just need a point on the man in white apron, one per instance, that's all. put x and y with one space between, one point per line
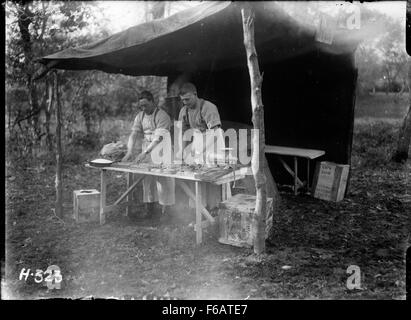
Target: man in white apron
203 115
148 127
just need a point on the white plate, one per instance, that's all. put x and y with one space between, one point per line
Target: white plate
101 162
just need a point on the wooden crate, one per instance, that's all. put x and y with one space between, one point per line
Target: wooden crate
236 218
86 205
330 181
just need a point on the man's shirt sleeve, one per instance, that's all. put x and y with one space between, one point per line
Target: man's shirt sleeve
163 124
211 115
163 120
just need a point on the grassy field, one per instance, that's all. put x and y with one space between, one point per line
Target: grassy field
313 243
381 107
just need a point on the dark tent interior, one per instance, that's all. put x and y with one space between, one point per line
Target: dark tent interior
308 86
308 103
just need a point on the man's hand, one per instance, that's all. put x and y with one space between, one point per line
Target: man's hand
188 152
141 157
126 158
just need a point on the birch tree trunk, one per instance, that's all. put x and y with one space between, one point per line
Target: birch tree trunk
48 115
59 198
258 155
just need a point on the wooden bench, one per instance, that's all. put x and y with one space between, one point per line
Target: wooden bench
308 154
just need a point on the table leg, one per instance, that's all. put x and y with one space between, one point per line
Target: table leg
198 213
130 195
191 194
295 177
308 176
75 207
291 172
228 192
103 197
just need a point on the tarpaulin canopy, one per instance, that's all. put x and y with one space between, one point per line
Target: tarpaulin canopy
308 88
206 36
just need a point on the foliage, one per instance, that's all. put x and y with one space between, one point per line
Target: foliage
86 140
36 29
110 136
73 156
381 58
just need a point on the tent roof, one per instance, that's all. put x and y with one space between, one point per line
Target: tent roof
208 36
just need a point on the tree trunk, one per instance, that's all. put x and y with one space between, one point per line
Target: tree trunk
48 116
388 88
24 21
258 162
404 137
59 198
35 110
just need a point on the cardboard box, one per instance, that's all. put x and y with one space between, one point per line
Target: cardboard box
86 205
330 181
236 218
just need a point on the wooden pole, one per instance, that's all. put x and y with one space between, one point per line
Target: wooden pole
199 230
48 115
258 155
59 197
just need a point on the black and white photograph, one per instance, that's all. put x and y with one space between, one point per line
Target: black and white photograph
207 151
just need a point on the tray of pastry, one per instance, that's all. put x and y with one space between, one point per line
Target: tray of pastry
133 165
211 174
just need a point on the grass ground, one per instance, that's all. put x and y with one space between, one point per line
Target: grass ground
381 106
313 242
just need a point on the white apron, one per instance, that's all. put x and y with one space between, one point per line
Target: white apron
211 194
161 189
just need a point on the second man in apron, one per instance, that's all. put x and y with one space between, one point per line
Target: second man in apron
202 115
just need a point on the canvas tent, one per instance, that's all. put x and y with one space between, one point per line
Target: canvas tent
308 86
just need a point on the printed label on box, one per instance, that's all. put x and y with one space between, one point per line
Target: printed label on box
331 182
